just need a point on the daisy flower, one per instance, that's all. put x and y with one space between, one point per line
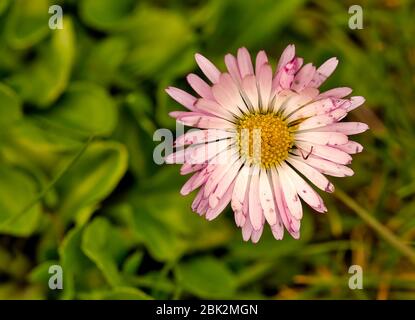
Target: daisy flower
272 131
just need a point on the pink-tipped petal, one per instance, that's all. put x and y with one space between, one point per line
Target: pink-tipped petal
233 69
356 102
304 190
336 93
266 198
290 194
260 60
287 55
351 147
255 210
182 97
303 77
312 174
244 62
323 72
208 68
264 79
200 86
348 128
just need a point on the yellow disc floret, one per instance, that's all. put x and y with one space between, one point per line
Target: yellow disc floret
264 138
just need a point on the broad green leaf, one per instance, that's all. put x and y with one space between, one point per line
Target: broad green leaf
78 271
10 106
206 277
103 61
42 82
107 14
27 23
33 144
103 244
40 274
161 49
85 107
91 179
17 189
159 239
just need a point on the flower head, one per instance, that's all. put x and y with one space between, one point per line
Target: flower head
262 134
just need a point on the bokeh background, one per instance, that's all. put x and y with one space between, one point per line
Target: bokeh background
79 188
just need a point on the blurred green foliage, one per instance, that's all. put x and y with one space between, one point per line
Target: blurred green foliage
78 187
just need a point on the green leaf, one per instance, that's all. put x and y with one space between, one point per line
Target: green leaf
103 244
103 61
27 23
16 190
160 240
206 277
85 107
10 106
107 14
91 179
40 274
132 263
43 81
119 293
161 49
75 264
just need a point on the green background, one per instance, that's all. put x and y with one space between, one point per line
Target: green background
79 188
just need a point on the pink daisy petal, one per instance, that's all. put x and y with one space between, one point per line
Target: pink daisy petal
336 93
303 77
233 69
266 198
213 108
287 55
190 168
224 183
247 230
325 152
290 194
255 211
264 78
182 97
241 186
322 138
244 62
326 166
212 213
304 190
312 174
205 122
323 72
250 89
322 120
348 128
260 60
208 68
355 102
202 136
200 86
296 101
351 147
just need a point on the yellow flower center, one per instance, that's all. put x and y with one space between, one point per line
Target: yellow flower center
264 139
